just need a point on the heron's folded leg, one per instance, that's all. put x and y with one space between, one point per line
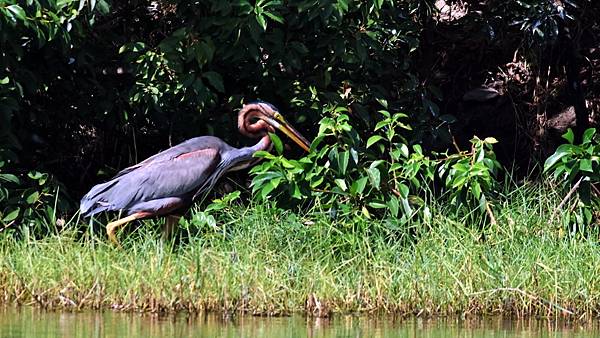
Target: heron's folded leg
170 224
112 226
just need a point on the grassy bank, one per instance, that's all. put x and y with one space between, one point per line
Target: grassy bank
262 260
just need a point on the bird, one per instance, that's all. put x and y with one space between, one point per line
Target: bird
172 179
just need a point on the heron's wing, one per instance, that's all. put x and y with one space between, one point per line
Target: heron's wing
186 147
175 177
160 178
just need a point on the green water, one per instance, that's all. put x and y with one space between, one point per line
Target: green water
34 323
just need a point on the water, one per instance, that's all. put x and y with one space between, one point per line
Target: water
34 323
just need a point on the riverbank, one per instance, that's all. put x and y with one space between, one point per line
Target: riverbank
265 261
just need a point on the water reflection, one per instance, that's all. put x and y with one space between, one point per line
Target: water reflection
35 323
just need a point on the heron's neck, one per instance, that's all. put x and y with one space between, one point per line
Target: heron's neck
248 159
264 144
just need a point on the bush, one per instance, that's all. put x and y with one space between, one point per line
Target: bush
576 167
384 177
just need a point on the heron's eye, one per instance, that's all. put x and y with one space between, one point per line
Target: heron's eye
278 117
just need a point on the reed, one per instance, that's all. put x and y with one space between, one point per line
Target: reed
262 260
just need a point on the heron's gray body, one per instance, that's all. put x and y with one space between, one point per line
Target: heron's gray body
170 179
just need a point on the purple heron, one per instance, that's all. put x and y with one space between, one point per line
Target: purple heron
172 179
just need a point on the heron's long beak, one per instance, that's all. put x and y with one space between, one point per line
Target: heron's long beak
291 132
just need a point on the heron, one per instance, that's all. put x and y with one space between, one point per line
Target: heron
172 179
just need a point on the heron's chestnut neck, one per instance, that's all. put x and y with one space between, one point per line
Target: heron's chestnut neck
250 124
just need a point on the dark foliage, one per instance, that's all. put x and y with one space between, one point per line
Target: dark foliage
89 87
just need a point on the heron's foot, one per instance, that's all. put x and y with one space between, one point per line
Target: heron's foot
112 227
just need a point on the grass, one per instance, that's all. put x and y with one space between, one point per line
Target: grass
266 261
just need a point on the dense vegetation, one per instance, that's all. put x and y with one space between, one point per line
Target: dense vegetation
411 104
87 88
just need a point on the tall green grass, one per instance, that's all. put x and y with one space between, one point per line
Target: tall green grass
262 260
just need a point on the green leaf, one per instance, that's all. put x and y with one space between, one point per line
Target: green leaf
588 216
287 163
394 167
317 182
587 135
354 155
32 198
365 212
569 136
376 163
261 178
375 177
269 187
103 7
215 80
358 186
382 124
274 17
11 215
4 81
403 190
394 206
404 150
9 178
132 47
342 5
558 171
476 189
261 21
211 221
341 183
373 139
377 205
343 159
277 143
42 180
459 182
35 175
382 102
315 143
482 203
586 165
17 11
385 113
296 192
560 152
480 155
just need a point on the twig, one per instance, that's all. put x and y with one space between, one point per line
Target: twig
564 200
524 293
596 190
490 213
7 226
455 144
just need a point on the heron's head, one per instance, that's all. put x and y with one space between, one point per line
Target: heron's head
258 118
